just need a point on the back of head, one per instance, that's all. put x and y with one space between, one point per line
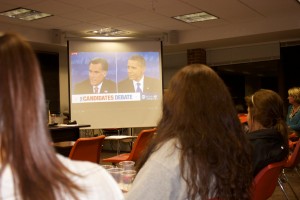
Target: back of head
22 99
266 107
295 93
197 99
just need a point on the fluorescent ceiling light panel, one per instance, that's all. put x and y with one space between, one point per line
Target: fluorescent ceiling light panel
195 17
107 31
107 38
25 14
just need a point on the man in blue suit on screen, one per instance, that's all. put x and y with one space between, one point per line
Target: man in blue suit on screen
97 83
136 81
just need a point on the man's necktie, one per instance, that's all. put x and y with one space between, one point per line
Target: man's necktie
138 88
96 90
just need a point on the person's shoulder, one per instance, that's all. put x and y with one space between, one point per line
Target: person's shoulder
168 149
84 82
125 86
108 86
80 167
109 82
82 87
152 84
151 81
90 175
125 81
264 134
150 78
168 155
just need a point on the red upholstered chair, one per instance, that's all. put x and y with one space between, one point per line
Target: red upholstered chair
243 117
292 163
266 180
87 149
139 145
293 138
294 158
293 135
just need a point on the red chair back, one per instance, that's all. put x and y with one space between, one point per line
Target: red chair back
87 149
144 137
294 158
243 117
265 181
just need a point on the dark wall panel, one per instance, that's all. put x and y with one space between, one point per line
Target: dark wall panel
49 63
290 58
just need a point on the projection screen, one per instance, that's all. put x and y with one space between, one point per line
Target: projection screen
119 101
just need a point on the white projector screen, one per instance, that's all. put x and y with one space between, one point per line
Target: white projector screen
117 105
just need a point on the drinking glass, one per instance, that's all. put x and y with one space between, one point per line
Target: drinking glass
107 166
127 177
127 165
116 174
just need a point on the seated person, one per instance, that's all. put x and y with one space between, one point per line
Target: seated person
200 150
293 115
268 131
30 168
97 82
136 80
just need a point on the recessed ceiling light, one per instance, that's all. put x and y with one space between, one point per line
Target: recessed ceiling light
107 31
196 17
25 14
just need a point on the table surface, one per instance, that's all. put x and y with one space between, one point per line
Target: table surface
119 137
66 126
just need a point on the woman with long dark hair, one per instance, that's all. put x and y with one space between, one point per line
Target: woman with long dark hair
200 150
29 167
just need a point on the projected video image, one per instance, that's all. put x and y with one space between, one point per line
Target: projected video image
118 76
115 83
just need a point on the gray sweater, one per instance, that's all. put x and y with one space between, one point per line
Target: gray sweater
159 178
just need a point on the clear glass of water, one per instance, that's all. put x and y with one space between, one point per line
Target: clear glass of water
127 177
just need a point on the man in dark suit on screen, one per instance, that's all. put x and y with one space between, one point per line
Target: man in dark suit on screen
136 81
97 83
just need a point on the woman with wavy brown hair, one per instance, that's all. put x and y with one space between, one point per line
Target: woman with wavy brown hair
29 167
200 150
